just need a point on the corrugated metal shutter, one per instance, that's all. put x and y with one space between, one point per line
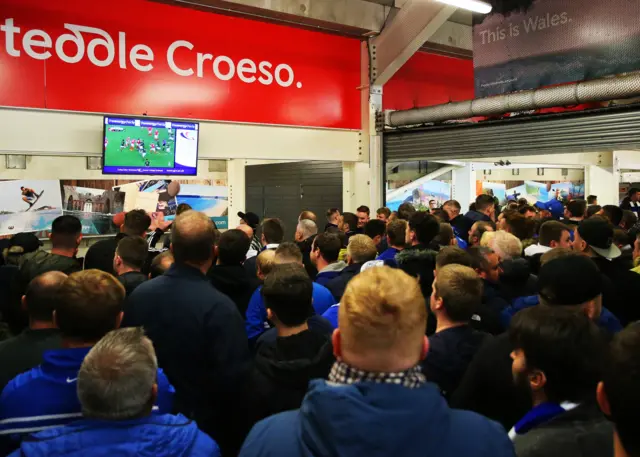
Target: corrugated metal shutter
592 131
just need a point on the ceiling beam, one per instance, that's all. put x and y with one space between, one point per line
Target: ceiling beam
412 26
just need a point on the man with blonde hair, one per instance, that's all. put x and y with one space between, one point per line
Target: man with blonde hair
506 245
376 400
360 250
117 387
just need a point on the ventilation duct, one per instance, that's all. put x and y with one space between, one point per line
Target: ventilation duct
598 90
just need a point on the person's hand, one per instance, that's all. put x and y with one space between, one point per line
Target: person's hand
160 222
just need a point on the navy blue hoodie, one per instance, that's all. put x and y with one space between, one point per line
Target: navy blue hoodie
376 420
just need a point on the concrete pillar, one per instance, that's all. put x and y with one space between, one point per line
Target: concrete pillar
356 186
463 186
236 184
603 180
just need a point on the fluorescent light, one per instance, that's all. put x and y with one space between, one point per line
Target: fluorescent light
476 6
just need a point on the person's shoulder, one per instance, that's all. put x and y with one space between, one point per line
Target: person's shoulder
22 384
274 436
321 290
487 438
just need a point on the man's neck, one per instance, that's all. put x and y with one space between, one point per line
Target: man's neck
618 450
578 219
398 248
204 268
444 323
40 325
321 264
538 398
283 332
64 252
123 270
71 343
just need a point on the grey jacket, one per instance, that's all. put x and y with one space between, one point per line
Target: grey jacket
581 432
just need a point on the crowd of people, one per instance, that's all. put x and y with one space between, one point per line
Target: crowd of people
503 331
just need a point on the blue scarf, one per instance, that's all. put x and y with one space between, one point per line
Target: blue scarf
539 415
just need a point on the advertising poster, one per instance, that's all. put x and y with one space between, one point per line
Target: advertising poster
28 205
495 189
211 200
554 42
431 194
535 191
94 207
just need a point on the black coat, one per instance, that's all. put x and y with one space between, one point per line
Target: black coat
419 261
100 255
132 280
283 369
235 282
580 432
338 285
201 345
487 386
305 248
621 289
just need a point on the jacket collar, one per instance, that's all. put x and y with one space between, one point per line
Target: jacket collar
336 266
184 271
536 249
539 415
63 363
341 373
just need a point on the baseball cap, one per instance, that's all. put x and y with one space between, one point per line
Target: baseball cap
29 242
598 234
251 219
555 207
569 280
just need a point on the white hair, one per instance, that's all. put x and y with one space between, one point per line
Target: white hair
117 376
506 245
307 228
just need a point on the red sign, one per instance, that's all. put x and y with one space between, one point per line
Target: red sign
136 57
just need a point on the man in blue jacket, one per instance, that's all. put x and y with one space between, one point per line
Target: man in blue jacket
256 319
89 305
325 251
117 386
197 333
376 401
397 239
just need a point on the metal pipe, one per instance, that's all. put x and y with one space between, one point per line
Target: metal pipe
598 90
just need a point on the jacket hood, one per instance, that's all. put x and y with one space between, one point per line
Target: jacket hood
515 271
418 254
293 360
337 266
367 419
477 216
158 436
40 262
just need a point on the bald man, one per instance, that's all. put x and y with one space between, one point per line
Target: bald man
197 332
24 352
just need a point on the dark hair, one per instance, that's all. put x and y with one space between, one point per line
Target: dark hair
484 201
136 222
629 219
405 211
445 234
375 227
65 231
193 238
551 231
577 208
331 212
288 292
565 345
158 264
386 211
290 252
621 237
522 227
88 305
133 251
329 245
526 209
363 209
633 191
182 207
351 219
440 214
591 199
621 379
593 210
397 232
273 230
233 247
425 226
42 293
453 203
479 257
461 291
482 227
613 213
450 255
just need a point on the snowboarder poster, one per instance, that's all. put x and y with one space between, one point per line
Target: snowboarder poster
29 205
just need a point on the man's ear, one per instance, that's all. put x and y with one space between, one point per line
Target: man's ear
603 400
171 248
269 314
23 303
119 319
438 303
79 239
553 244
337 344
537 380
425 348
216 251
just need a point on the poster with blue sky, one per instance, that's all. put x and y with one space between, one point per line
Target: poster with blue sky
420 195
29 205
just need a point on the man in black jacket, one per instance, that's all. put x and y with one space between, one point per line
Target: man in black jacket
361 249
100 255
306 232
228 275
197 332
131 255
284 367
272 236
558 359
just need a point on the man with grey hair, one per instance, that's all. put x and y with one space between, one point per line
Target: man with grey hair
117 388
197 332
306 232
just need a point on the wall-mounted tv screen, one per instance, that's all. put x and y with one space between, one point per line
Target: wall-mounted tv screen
144 146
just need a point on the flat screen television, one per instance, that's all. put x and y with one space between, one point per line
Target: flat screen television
145 146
